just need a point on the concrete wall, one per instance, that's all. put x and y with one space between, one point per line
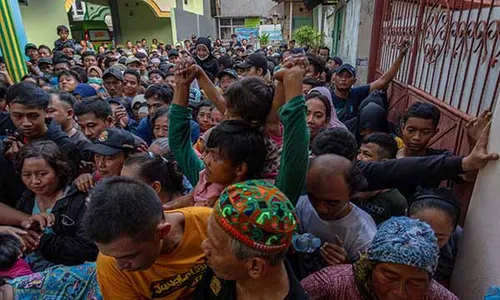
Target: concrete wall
40 19
187 23
193 6
143 23
364 39
243 8
478 265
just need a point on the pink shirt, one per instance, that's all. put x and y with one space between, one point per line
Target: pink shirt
206 193
337 282
20 268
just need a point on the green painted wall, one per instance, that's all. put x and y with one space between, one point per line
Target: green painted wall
139 21
40 19
193 6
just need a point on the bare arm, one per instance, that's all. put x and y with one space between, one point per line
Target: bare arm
386 78
212 93
11 216
273 118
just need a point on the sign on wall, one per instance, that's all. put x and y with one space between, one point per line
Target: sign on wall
274 31
251 34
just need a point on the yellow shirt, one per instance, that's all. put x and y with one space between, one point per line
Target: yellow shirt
173 275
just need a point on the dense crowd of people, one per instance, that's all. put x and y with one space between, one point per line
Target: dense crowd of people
210 171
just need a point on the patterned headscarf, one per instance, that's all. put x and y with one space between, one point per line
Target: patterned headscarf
405 241
399 240
257 214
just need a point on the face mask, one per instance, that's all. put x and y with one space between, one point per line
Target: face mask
202 58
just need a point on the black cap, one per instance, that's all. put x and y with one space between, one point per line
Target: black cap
173 52
347 67
45 60
229 72
112 141
254 60
113 72
30 46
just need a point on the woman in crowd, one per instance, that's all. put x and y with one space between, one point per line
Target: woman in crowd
398 265
203 114
159 123
320 111
46 174
441 211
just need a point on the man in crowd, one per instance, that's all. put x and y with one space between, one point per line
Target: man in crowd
113 82
144 251
254 65
248 237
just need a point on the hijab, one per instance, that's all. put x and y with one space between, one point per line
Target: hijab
334 120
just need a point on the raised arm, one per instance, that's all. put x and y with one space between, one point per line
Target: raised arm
273 118
386 78
179 135
212 93
294 157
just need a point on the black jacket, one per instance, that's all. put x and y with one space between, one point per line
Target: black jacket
406 174
67 146
210 64
67 245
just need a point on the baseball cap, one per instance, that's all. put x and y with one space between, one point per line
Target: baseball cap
132 59
254 60
112 141
347 67
173 52
138 99
45 60
30 46
113 72
229 72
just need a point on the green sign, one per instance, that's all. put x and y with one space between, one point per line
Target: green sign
252 22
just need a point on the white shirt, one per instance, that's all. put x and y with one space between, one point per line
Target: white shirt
356 230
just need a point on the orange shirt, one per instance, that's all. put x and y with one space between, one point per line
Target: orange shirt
173 275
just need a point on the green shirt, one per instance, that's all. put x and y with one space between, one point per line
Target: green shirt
294 156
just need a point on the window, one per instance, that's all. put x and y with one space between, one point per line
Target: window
185 2
228 26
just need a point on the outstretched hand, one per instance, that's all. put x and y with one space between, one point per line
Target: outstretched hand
476 126
186 71
404 46
479 156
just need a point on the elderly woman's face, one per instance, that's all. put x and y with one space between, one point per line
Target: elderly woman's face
392 281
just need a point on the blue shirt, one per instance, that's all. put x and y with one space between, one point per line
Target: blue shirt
348 108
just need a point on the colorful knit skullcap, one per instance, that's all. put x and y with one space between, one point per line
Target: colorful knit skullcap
257 214
405 241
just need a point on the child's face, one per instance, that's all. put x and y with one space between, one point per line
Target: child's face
218 169
63 34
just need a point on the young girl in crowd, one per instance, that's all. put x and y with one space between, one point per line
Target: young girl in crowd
235 150
441 211
46 174
158 172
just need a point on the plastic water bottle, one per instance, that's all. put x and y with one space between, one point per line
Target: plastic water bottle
306 243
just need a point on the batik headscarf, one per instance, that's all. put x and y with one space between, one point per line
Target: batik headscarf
334 120
399 240
257 214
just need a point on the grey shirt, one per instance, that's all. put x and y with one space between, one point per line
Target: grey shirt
356 230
